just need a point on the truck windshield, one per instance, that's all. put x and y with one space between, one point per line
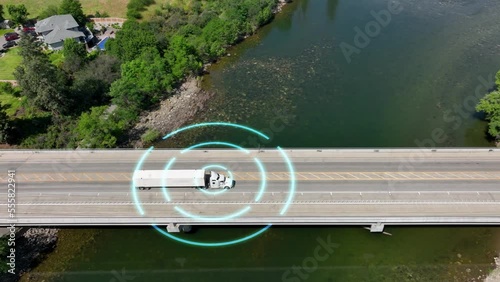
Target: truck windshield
218 176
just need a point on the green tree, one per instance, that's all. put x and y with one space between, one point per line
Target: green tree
74 48
1 13
18 13
75 55
5 126
490 105
91 84
41 82
98 129
74 8
59 135
50 11
497 79
216 35
182 57
143 81
130 41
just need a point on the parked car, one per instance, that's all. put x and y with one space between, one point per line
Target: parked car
3 51
9 44
28 29
11 36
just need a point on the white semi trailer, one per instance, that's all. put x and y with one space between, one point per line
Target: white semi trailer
193 178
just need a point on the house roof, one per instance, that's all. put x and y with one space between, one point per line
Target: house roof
58 35
61 21
58 27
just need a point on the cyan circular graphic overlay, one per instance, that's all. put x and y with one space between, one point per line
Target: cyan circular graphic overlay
237 214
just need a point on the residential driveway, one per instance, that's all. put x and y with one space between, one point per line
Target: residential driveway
3 41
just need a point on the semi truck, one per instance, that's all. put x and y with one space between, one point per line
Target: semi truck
193 178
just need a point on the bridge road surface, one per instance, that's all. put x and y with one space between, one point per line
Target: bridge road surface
332 186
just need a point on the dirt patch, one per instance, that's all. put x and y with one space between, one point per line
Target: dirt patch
188 102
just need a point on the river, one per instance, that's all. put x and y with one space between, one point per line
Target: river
292 80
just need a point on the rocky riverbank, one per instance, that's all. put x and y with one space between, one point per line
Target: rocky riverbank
281 4
188 101
494 276
32 245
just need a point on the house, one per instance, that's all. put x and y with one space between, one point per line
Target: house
56 29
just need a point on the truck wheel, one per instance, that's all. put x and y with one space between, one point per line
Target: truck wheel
227 187
140 188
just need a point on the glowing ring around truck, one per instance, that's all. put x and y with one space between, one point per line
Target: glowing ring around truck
257 198
187 214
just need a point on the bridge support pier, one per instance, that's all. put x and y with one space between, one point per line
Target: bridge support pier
377 227
173 228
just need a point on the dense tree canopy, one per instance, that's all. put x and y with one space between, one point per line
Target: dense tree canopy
74 8
98 129
143 81
5 126
490 104
91 84
42 83
18 13
75 55
182 57
139 67
1 13
130 41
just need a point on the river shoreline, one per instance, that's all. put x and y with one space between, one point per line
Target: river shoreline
187 103
31 247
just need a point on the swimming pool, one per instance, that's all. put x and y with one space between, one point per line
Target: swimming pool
101 45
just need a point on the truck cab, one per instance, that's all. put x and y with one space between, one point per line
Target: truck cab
217 181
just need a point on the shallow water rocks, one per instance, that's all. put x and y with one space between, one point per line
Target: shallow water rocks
31 247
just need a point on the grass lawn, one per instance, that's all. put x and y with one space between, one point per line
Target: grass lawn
8 63
115 8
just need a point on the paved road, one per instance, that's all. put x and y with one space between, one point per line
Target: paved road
333 186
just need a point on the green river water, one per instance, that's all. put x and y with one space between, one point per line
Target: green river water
292 81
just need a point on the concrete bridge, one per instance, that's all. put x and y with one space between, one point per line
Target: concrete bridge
373 187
